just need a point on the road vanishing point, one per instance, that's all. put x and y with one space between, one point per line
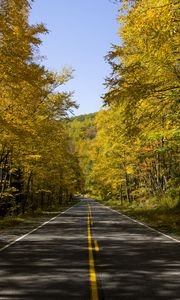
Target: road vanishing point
91 252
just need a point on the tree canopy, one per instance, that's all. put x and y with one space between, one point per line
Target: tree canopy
136 150
37 163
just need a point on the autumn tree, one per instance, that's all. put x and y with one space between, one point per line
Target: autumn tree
35 157
144 87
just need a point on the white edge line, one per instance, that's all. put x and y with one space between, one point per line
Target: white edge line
142 224
35 229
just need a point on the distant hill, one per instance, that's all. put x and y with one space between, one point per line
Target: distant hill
82 128
82 131
82 118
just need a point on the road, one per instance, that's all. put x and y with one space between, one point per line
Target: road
91 252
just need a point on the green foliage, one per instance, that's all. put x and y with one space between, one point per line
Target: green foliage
82 131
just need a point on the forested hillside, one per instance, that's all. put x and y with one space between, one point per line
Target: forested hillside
82 131
37 166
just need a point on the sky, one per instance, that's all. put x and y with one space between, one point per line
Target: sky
81 32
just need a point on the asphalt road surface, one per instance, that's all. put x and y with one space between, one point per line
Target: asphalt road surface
91 253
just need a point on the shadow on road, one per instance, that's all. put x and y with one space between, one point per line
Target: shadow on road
134 262
51 263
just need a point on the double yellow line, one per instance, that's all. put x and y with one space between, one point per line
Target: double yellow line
92 271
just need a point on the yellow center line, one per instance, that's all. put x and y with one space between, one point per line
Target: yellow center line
92 271
96 246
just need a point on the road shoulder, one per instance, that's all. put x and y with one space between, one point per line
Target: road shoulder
10 234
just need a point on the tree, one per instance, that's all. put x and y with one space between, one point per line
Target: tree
143 90
34 147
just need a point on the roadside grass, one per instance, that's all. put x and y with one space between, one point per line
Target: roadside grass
13 220
163 218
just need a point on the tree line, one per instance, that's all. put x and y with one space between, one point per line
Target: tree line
136 149
38 167
133 154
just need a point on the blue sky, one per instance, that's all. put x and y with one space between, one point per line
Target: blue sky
81 34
